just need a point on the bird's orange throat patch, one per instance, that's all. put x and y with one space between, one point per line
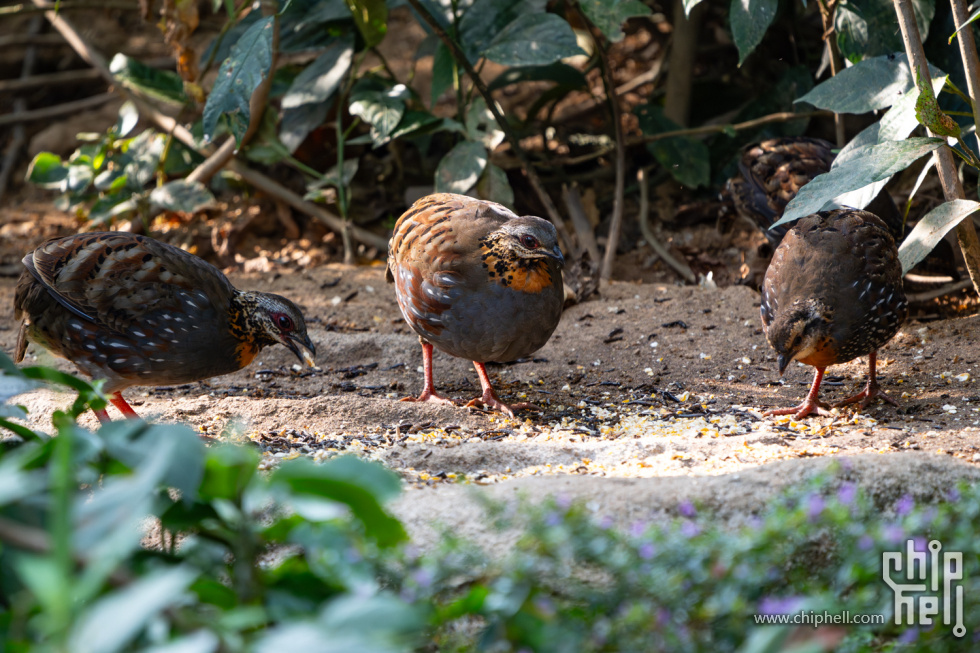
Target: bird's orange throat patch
525 275
823 355
245 353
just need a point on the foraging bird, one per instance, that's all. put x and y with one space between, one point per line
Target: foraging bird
833 292
476 281
134 311
772 172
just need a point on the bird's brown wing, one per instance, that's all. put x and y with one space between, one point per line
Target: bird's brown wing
116 278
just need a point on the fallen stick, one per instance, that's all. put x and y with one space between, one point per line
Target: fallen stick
56 110
681 267
929 295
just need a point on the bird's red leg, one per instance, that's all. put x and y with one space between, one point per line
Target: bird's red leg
490 398
117 400
103 416
809 405
428 389
872 389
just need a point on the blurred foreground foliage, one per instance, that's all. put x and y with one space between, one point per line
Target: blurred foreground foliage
137 537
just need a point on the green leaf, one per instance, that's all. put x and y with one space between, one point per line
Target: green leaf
486 19
874 164
495 187
182 196
115 620
931 229
866 28
201 641
129 116
749 21
873 84
360 485
371 18
333 179
460 169
689 6
227 472
47 171
318 81
383 110
442 73
609 15
558 72
151 82
688 160
533 40
239 76
899 121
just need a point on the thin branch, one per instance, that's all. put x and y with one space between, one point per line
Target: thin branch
509 134
827 8
57 110
78 5
18 136
616 223
48 79
968 52
929 295
681 267
966 233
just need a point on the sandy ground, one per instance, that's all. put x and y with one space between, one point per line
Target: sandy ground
641 386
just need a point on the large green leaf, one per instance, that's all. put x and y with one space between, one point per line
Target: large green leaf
47 171
239 76
494 186
182 196
320 79
873 164
485 19
201 641
685 158
749 20
115 620
443 75
383 110
533 40
558 72
875 83
931 229
371 18
866 28
460 169
609 15
899 121
152 82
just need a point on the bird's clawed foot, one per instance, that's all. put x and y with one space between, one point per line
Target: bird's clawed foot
808 407
430 397
866 396
492 401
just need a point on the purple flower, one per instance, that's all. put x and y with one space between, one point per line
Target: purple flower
909 636
814 508
563 501
686 508
545 606
780 604
637 528
646 550
953 495
689 529
606 522
904 505
846 492
865 542
422 577
552 519
894 533
919 543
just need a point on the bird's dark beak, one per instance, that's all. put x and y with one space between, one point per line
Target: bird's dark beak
303 348
783 363
557 255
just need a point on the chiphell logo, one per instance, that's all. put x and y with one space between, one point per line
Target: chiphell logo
915 578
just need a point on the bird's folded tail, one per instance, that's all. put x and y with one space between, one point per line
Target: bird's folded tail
21 346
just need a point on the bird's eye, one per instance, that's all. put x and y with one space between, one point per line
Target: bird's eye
284 323
529 241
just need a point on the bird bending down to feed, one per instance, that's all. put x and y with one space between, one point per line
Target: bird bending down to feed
832 293
134 311
476 281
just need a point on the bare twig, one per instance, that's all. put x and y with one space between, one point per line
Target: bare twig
580 221
968 52
836 63
681 267
48 79
57 110
14 10
966 233
18 134
30 39
509 134
929 295
616 222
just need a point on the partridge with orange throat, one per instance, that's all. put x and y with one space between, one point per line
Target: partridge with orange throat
476 281
832 293
134 311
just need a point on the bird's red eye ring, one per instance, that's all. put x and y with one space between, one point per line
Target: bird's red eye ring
284 322
529 241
